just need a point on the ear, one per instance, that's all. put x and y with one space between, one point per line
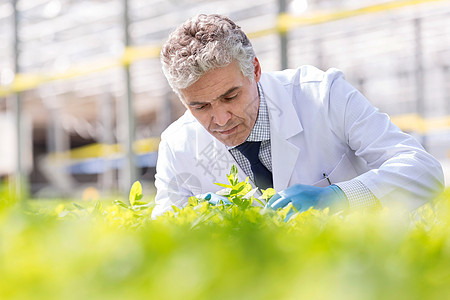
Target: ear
257 69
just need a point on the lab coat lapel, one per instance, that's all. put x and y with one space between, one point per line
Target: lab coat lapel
214 159
284 126
227 160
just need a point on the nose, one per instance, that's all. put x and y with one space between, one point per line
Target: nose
221 115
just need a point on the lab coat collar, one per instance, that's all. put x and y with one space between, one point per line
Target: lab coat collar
282 114
284 125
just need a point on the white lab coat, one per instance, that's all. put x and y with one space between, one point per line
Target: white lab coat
319 124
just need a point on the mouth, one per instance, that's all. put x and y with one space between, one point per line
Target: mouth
227 132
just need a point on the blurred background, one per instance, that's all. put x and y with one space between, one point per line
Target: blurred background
83 100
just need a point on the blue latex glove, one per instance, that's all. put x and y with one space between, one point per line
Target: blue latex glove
303 197
214 199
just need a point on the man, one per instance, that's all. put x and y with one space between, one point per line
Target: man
308 134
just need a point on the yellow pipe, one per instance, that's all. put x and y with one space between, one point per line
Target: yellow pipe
415 123
286 22
95 150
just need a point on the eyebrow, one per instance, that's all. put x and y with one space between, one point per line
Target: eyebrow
229 91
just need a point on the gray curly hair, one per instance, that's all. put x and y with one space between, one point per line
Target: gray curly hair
202 43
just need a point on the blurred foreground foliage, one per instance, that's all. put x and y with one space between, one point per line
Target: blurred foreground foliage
106 250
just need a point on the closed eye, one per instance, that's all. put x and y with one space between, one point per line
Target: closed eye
200 107
229 98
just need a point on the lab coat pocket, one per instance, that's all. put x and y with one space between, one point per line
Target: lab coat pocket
343 171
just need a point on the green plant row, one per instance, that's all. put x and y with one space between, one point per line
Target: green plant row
115 250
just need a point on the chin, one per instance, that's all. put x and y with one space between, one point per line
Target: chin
227 142
234 142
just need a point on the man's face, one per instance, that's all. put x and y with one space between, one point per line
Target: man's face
225 102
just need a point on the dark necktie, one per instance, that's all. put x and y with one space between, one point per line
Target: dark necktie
263 177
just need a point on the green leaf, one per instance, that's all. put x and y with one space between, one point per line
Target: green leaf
267 194
78 206
64 213
120 203
247 188
237 188
135 192
234 170
246 203
257 200
193 201
224 185
176 209
250 192
236 200
224 192
98 206
233 178
230 178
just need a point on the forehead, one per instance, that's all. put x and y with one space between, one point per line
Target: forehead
214 83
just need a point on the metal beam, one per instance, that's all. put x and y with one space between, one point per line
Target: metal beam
283 38
129 173
19 176
419 75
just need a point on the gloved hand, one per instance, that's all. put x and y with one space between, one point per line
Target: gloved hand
303 197
213 199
